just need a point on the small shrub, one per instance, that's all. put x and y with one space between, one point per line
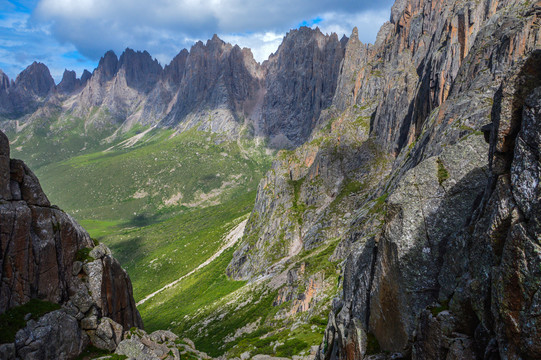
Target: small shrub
444 305
443 174
83 255
291 347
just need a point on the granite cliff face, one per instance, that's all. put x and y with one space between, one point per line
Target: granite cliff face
439 254
46 255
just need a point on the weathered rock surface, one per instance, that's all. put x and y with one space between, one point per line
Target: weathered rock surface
47 255
161 344
432 252
452 229
55 335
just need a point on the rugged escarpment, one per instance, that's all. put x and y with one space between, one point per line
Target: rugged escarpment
439 254
46 255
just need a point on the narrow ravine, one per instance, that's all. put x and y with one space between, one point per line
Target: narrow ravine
230 240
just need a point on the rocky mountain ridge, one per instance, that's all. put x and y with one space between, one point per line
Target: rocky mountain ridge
214 86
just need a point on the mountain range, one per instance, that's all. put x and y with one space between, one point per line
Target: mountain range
215 86
338 201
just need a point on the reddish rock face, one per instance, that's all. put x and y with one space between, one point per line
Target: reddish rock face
39 244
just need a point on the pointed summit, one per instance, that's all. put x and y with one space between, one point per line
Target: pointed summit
69 82
85 77
107 66
174 72
35 79
140 69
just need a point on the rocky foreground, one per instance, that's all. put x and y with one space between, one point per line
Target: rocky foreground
46 255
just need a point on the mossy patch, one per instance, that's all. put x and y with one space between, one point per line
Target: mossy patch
83 255
372 344
92 352
443 306
298 207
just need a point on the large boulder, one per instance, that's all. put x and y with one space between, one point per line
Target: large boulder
56 335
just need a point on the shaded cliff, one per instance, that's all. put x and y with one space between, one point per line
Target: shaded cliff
300 83
29 91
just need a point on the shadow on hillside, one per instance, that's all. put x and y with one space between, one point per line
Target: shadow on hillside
142 220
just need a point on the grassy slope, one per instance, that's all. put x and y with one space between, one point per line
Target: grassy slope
129 198
53 136
158 175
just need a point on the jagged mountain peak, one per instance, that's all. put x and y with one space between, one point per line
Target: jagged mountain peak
69 82
36 79
174 71
291 108
215 39
107 66
141 71
85 76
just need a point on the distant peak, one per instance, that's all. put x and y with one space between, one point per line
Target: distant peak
215 40
108 64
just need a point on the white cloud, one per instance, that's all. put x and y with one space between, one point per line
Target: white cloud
367 22
164 26
58 31
261 44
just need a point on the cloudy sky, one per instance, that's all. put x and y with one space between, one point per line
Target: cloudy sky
74 34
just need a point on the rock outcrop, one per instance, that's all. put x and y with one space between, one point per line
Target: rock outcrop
161 344
45 254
